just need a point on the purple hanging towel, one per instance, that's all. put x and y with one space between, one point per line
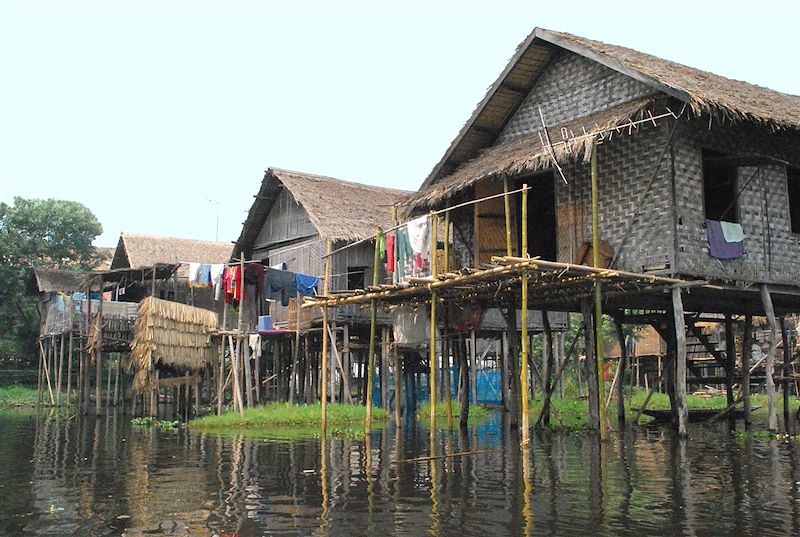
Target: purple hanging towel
717 245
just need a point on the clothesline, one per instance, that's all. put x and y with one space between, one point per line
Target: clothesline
432 213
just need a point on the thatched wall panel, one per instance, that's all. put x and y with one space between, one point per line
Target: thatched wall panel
572 87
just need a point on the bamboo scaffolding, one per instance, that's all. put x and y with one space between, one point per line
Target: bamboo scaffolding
373 323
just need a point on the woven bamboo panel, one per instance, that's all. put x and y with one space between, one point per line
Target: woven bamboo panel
308 316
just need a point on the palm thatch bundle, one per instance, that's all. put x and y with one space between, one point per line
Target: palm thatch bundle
171 334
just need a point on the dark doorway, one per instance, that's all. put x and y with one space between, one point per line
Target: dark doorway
542 240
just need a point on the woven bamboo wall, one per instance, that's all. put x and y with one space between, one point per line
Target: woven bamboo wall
772 252
572 87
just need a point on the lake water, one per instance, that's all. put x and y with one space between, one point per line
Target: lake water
89 476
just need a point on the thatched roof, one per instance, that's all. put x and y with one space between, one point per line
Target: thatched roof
338 210
703 92
45 280
171 334
136 250
526 154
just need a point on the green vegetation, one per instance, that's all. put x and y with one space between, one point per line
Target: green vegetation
477 413
765 436
18 396
343 420
151 421
570 413
37 233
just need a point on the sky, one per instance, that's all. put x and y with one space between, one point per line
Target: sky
161 117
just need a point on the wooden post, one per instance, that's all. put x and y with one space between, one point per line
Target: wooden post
623 364
384 369
448 389
432 348
236 391
40 372
60 369
730 358
69 364
524 322
598 303
239 337
591 366
787 363
324 359
398 387
548 364
463 374
295 352
747 351
373 327
248 371
507 210
504 389
99 354
766 299
680 362
473 366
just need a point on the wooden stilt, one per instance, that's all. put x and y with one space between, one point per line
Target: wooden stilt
324 358
747 350
373 327
623 364
385 368
60 369
559 373
247 367
512 341
787 363
548 364
463 374
236 390
69 366
257 373
98 401
295 352
766 299
730 359
473 366
108 383
398 387
39 373
432 359
680 363
448 388
598 304
591 368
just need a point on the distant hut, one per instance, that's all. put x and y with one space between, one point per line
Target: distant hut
137 250
293 218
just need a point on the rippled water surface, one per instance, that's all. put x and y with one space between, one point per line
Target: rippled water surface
88 476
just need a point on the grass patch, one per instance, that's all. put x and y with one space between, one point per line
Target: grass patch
18 396
151 421
477 413
341 417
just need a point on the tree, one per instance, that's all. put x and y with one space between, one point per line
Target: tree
37 233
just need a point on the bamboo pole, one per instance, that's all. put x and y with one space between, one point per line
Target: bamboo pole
766 299
525 423
238 404
549 363
373 327
730 358
295 352
39 373
432 349
598 301
507 210
324 359
46 373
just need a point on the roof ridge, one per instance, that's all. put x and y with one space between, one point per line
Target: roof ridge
335 179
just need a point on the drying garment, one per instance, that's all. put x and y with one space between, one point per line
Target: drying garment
194 273
389 252
216 279
732 231
227 285
254 275
279 266
306 285
382 246
411 328
204 275
237 284
254 342
404 262
418 235
279 285
717 245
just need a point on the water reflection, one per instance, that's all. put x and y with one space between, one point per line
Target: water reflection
76 476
